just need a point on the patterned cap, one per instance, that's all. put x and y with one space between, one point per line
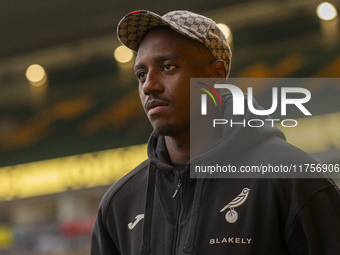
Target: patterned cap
132 28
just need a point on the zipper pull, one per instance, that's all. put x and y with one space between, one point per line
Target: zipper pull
178 187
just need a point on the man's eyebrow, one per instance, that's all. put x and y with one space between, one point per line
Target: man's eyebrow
139 66
158 59
167 57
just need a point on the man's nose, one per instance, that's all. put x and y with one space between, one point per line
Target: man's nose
152 84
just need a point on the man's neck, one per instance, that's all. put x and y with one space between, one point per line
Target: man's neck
179 147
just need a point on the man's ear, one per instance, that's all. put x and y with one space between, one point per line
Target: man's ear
218 69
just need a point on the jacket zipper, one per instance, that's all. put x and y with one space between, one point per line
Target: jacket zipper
178 187
179 214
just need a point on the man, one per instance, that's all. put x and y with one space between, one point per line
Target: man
158 209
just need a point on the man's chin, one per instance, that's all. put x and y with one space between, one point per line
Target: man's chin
166 130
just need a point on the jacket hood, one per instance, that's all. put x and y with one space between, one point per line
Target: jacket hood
243 134
234 138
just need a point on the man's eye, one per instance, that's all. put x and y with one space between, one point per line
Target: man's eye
168 67
141 75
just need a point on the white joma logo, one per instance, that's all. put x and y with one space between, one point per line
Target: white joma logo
138 218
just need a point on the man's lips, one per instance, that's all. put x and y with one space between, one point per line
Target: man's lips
155 106
156 109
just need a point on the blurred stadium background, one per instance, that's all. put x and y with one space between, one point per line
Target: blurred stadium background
70 119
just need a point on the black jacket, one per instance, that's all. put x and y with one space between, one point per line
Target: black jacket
155 209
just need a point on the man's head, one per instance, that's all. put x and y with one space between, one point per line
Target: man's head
166 60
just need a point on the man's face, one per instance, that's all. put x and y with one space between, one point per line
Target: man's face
164 64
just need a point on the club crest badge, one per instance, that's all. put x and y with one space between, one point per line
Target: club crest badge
231 216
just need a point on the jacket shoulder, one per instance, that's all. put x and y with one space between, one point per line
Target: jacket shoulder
128 182
280 151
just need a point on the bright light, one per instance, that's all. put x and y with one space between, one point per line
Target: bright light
326 11
226 31
36 75
123 54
